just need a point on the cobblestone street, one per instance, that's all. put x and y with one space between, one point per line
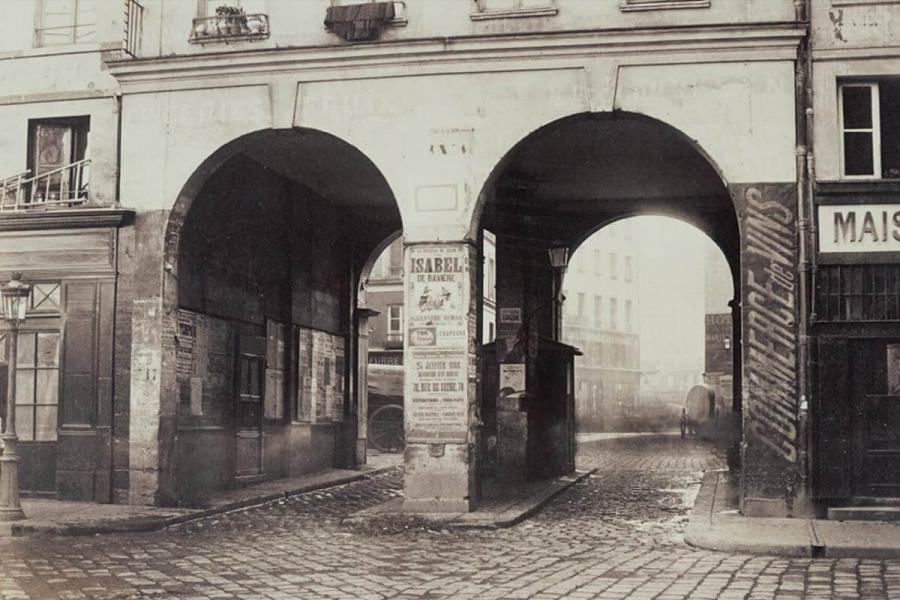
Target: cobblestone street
616 535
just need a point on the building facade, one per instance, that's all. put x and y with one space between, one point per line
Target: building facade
602 318
854 120
247 168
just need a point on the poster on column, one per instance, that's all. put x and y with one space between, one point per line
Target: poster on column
437 326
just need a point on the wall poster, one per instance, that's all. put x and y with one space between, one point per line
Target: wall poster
437 325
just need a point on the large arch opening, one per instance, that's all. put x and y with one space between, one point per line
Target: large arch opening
556 188
264 252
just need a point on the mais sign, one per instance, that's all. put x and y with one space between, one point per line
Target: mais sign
861 228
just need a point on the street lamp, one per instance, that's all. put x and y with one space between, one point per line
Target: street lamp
15 302
559 260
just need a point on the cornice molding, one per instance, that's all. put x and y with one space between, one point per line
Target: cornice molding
80 218
432 55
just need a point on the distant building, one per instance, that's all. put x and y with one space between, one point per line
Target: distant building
601 318
672 288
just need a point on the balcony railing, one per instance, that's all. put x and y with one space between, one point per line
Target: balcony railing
229 28
64 187
134 17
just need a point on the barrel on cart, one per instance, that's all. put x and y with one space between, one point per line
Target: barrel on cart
386 431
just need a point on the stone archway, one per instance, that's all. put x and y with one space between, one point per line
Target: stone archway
259 267
566 179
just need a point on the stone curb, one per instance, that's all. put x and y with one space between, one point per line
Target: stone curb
711 528
509 517
147 524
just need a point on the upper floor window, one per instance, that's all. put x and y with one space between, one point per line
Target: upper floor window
631 5
395 319
66 22
613 266
628 268
870 129
512 8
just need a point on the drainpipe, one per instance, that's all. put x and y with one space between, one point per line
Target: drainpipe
805 188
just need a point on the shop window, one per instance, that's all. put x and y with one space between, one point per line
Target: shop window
37 386
858 292
870 129
57 149
66 22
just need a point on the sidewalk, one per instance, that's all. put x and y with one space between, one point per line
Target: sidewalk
503 504
716 525
87 518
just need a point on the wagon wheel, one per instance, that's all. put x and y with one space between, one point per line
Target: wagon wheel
386 428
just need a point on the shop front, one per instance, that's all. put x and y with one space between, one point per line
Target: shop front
857 322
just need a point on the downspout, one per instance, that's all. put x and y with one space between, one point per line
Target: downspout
805 185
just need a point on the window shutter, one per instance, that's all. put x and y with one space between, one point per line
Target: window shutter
832 460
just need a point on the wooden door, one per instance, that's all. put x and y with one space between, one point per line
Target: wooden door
875 384
249 402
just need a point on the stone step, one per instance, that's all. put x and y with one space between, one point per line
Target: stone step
864 513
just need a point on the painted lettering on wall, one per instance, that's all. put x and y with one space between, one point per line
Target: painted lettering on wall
770 311
862 228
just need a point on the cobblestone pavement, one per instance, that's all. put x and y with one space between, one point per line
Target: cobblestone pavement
615 535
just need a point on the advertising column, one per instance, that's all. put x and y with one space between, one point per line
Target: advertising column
439 388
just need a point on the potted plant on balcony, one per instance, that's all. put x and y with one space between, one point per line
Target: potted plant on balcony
230 20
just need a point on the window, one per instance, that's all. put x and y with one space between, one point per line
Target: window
613 264
395 259
613 314
490 283
598 311
627 268
597 259
395 322
37 386
870 129
208 7
633 5
506 6
579 262
628 315
66 22
53 145
579 310
250 392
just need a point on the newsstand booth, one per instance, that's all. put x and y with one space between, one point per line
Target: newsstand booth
856 312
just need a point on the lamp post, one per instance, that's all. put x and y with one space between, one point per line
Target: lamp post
15 303
559 260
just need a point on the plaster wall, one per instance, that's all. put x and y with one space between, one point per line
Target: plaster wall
167 24
448 131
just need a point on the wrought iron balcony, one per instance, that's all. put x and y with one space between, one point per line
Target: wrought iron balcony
229 28
64 187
